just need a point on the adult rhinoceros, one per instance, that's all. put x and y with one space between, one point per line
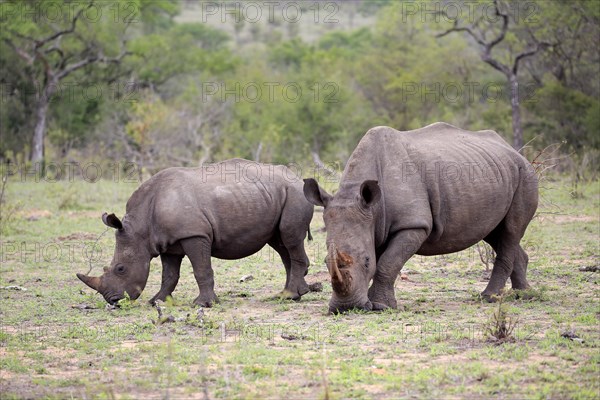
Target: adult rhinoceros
430 191
228 210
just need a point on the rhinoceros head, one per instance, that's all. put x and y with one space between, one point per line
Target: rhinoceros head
129 268
349 222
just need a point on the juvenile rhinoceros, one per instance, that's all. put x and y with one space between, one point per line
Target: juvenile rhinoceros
434 190
228 210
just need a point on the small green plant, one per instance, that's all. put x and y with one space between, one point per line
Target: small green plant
500 327
487 255
324 378
126 303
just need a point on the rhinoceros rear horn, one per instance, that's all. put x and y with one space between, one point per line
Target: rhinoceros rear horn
91 281
111 220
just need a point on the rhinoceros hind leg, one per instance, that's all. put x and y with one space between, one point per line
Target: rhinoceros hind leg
288 241
503 265
518 277
296 267
511 261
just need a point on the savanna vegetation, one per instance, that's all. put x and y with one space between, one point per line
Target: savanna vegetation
163 83
58 339
97 96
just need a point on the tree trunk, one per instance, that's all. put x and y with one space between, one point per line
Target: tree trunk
39 133
320 165
516 113
257 152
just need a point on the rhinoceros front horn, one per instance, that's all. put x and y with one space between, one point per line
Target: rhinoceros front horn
332 256
91 281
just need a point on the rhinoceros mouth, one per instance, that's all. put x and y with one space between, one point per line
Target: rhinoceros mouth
342 308
113 300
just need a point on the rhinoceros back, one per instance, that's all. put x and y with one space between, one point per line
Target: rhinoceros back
456 184
236 204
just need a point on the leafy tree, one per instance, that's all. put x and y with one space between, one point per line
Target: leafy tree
54 40
185 48
411 79
508 64
313 110
566 114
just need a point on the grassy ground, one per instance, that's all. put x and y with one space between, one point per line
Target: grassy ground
251 346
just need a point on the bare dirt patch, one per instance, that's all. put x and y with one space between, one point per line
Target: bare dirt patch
78 236
569 219
84 214
34 214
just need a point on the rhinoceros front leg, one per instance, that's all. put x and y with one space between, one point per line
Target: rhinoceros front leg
198 251
171 265
400 248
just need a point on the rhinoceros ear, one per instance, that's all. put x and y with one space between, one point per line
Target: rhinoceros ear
111 220
370 193
314 193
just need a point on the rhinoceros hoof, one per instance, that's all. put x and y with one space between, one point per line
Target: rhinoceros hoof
156 298
206 302
380 306
290 295
490 297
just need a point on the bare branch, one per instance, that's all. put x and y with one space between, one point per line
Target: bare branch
89 60
55 49
75 66
524 54
504 29
486 56
115 60
71 29
531 51
20 35
456 28
20 52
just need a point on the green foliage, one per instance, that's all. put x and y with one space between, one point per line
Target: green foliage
346 43
566 114
185 48
57 49
290 53
379 65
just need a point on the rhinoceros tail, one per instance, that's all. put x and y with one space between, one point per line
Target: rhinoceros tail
310 238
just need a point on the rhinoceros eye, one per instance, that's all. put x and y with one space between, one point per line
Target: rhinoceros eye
120 269
367 259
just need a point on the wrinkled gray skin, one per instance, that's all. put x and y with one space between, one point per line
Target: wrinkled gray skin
431 191
222 210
